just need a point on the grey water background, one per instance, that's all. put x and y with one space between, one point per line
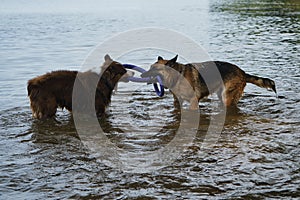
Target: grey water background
257 155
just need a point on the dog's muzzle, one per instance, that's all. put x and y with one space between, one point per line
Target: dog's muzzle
125 77
152 78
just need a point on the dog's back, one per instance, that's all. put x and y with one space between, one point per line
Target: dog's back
52 81
234 80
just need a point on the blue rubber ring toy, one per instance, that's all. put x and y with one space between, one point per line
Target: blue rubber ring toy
159 93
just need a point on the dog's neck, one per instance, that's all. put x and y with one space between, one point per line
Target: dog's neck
178 67
173 78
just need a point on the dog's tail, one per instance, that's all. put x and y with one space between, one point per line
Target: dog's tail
261 82
32 90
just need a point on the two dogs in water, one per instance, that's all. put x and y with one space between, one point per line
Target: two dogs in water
186 81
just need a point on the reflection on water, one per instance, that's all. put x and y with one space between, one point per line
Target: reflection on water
264 7
255 157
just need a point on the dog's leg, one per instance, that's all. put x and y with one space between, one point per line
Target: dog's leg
219 94
232 93
115 89
177 102
194 103
44 107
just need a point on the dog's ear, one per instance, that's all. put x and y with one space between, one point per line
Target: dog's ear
106 64
159 58
107 58
172 61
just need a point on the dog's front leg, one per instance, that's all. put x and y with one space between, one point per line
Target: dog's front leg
177 101
194 103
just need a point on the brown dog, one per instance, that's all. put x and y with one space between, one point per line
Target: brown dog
55 89
229 87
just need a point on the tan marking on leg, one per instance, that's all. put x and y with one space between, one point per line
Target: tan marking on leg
194 103
233 92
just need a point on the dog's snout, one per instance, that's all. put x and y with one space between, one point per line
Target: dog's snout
125 77
144 75
147 74
130 73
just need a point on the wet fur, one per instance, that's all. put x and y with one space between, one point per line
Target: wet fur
186 83
55 89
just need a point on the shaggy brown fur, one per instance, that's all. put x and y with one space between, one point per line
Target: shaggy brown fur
192 82
55 89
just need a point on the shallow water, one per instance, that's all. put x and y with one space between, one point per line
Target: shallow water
256 155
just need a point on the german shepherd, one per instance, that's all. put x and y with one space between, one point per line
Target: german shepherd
55 89
180 77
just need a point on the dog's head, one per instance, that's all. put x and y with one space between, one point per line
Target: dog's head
160 67
114 70
166 69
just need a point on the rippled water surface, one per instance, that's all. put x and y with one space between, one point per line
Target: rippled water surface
256 156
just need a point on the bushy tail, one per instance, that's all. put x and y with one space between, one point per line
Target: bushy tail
32 90
261 82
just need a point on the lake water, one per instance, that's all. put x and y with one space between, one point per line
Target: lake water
257 154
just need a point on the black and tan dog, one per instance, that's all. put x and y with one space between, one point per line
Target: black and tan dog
192 82
55 89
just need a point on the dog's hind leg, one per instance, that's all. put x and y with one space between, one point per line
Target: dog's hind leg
232 93
52 107
44 107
